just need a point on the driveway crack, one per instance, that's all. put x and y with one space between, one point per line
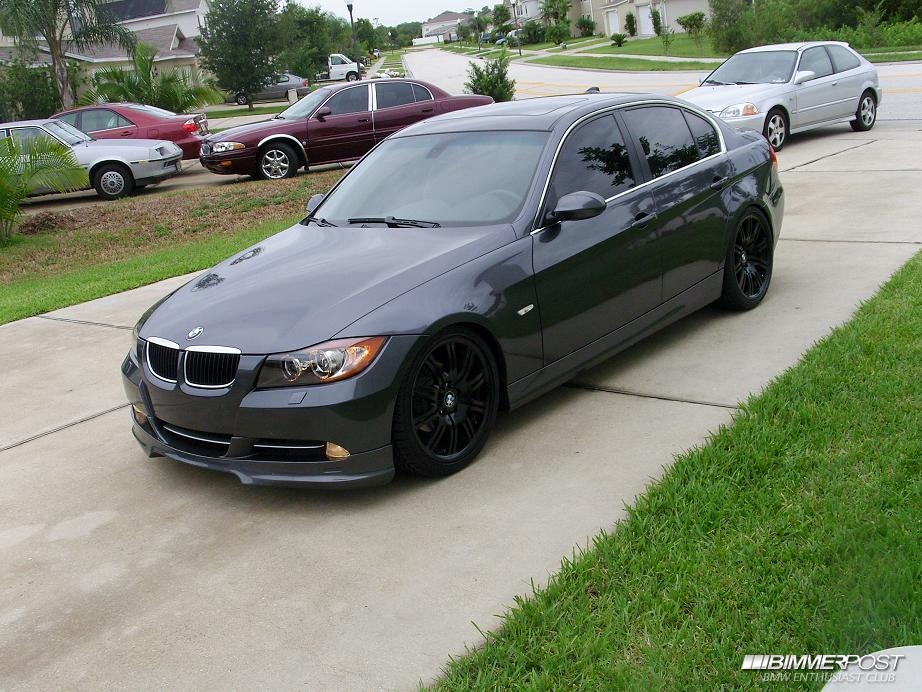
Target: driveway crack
644 395
86 322
829 156
59 428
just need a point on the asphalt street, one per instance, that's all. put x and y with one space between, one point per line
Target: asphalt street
120 572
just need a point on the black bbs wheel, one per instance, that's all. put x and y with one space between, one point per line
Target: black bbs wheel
446 406
748 266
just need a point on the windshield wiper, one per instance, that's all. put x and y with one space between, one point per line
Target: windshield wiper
319 222
714 81
395 223
745 82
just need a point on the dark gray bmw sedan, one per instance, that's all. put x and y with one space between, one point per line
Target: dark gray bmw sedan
466 265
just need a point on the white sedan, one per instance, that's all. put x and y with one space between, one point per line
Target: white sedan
791 87
115 167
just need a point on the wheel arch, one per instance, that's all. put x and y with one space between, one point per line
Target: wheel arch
287 139
106 162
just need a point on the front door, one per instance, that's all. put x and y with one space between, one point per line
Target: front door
347 132
594 276
816 99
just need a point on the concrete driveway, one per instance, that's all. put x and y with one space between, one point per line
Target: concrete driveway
121 572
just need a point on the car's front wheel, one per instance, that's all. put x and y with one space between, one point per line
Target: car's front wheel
776 128
446 406
866 115
113 180
277 161
748 265
241 99
352 76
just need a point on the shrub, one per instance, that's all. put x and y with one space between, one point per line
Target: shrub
532 32
729 29
27 92
557 32
492 79
630 24
586 26
667 36
694 24
618 39
657 20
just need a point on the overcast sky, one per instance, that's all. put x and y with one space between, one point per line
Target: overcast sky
393 12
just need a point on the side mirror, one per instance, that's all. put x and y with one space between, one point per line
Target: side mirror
804 76
323 113
313 203
577 206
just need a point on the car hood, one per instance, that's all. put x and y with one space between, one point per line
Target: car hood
231 133
306 284
716 98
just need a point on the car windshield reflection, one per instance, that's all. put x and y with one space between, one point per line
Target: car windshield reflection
762 67
455 179
305 106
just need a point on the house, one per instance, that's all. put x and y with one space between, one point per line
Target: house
609 15
445 24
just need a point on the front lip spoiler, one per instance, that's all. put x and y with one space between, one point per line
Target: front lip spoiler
362 470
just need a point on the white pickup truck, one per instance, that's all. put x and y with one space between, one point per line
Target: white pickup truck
340 67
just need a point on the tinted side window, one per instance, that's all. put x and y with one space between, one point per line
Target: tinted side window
663 136
421 93
817 61
69 118
842 58
392 94
354 100
704 133
594 158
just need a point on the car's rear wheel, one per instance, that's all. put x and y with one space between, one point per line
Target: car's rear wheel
446 406
277 161
776 128
352 76
866 115
748 265
241 99
113 180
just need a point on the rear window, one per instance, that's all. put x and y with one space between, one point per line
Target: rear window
153 110
843 59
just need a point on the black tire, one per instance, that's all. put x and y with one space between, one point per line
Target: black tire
277 161
241 99
352 77
866 115
446 406
776 128
748 265
113 180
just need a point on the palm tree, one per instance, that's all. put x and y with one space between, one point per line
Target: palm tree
63 25
480 22
43 163
176 90
554 11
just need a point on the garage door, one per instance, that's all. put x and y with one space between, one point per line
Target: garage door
646 21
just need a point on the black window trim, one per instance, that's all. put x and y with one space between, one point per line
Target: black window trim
365 85
537 228
824 48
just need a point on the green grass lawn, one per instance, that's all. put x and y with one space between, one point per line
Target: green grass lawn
682 46
796 530
571 43
894 57
624 64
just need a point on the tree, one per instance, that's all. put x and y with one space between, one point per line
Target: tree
27 92
728 26
586 26
480 23
43 163
176 90
306 34
501 18
532 32
694 24
63 25
557 33
555 11
630 24
492 79
239 44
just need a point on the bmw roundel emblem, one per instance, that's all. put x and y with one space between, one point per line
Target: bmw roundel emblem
195 333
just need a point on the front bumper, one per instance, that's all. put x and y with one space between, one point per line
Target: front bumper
747 122
147 172
240 162
273 436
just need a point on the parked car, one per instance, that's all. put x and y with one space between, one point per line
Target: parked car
792 87
335 123
136 121
428 289
276 91
115 169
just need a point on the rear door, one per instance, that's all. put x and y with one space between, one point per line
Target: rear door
819 99
594 276
682 156
104 123
396 106
347 133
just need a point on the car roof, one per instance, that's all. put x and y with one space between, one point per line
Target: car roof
793 46
392 80
543 113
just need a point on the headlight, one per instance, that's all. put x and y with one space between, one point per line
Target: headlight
221 147
327 362
739 110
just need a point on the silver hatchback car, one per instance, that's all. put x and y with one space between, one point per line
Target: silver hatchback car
791 87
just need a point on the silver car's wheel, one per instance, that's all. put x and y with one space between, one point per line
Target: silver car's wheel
113 181
866 115
776 128
277 161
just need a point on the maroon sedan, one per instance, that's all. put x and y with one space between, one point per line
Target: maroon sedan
137 121
334 123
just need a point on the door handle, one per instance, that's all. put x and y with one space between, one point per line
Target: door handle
718 184
642 219
835 84
363 120
427 110
126 134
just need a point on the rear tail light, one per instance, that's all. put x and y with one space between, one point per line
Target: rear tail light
774 156
304 82
190 125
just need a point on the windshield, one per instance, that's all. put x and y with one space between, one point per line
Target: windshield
70 134
452 179
305 106
763 67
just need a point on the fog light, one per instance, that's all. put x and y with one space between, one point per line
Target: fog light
336 453
139 416
226 164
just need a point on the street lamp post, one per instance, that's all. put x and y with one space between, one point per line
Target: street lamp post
515 23
355 55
